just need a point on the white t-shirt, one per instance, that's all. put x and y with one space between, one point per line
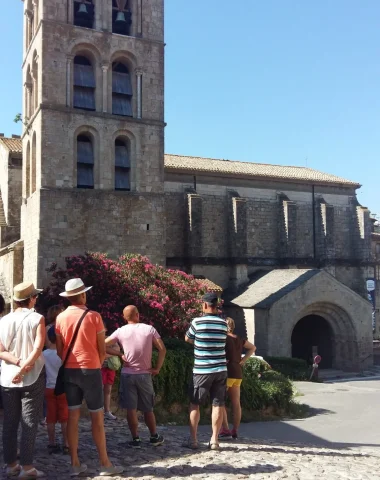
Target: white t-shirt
17 335
52 365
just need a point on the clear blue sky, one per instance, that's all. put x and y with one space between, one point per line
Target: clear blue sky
286 82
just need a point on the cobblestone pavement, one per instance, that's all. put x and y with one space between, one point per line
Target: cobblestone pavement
243 459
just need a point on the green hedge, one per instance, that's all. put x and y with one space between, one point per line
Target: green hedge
293 368
262 388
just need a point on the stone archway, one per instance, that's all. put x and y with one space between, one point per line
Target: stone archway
343 335
313 335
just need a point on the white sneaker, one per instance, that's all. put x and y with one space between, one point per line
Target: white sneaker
109 416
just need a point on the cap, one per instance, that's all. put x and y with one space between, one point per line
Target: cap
210 298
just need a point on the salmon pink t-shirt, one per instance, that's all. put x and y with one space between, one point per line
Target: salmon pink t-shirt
137 342
85 352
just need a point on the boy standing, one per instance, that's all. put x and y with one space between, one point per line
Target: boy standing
56 406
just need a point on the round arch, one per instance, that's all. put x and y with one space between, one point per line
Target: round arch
93 134
129 137
345 353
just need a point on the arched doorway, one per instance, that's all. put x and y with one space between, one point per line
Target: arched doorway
311 333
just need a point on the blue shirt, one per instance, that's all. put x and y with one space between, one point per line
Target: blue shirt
209 334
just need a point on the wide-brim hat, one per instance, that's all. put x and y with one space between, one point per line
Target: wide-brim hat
75 286
24 291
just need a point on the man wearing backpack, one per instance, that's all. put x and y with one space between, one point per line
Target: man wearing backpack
81 346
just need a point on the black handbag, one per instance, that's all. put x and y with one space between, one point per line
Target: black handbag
60 383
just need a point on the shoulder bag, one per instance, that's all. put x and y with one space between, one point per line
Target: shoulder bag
60 383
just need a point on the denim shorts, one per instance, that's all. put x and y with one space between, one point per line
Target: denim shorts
84 384
136 392
211 384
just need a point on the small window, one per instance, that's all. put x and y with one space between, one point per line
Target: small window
121 17
121 90
122 166
84 84
84 13
85 162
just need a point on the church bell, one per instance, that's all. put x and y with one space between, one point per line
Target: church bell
120 18
82 10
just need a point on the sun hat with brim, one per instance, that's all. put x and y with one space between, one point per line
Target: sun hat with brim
75 286
24 291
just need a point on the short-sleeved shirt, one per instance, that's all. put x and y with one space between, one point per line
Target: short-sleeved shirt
209 334
136 339
85 352
52 364
234 349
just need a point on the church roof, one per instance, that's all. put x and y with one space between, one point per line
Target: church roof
14 145
211 166
270 288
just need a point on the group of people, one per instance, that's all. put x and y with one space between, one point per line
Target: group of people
73 348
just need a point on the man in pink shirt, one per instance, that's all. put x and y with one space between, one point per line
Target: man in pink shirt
136 386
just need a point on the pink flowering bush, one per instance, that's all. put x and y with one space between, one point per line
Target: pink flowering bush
166 299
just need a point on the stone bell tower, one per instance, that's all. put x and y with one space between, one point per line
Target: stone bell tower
93 140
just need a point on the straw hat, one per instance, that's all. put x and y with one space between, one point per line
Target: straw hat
75 286
25 290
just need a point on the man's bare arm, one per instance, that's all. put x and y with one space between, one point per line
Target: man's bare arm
159 344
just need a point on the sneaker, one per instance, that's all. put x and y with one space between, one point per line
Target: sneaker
76 471
135 443
156 440
110 471
32 473
13 471
234 434
65 450
54 449
109 416
224 433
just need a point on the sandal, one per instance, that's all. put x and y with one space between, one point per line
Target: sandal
213 446
65 451
12 471
192 444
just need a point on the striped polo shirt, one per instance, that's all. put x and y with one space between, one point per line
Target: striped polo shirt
209 334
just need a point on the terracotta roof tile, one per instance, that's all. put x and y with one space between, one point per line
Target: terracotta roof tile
250 169
211 286
14 145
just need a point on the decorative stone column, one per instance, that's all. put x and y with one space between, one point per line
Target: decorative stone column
105 67
70 12
28 33
69 82
28 94
35 15
139 74
139 19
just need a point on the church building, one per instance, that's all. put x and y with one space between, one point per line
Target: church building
290 246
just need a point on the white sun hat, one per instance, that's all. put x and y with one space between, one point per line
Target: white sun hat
75 286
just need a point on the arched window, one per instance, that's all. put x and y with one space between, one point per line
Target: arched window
84 13
122 165
27 171
84 84
121 17
121 90
33 165
85 162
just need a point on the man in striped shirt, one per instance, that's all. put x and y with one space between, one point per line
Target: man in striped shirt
208 334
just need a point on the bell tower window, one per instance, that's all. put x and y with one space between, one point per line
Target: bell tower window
122 165
84 13
85 162
84 83
121 90
121 17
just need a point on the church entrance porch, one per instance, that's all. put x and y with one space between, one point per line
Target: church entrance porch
313 336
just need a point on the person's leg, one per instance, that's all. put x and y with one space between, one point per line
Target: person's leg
63 416
234 394
99 436
51 433
31 409
12 414
195 416
225 420
51 407
150 422
73 435
129 401
216 420
64 434
107 398
133 422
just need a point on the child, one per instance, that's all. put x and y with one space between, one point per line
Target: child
108 376
57 409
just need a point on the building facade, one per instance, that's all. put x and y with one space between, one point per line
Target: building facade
94 177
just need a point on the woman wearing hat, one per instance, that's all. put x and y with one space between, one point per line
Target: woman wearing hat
22 337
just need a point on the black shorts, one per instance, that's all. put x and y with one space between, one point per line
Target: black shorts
211 383
87 384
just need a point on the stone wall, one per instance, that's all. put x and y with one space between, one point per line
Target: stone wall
11 269
73 222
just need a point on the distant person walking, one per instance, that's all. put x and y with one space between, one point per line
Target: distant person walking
2 304
136 386
22 337
83 379
208 335
234 350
